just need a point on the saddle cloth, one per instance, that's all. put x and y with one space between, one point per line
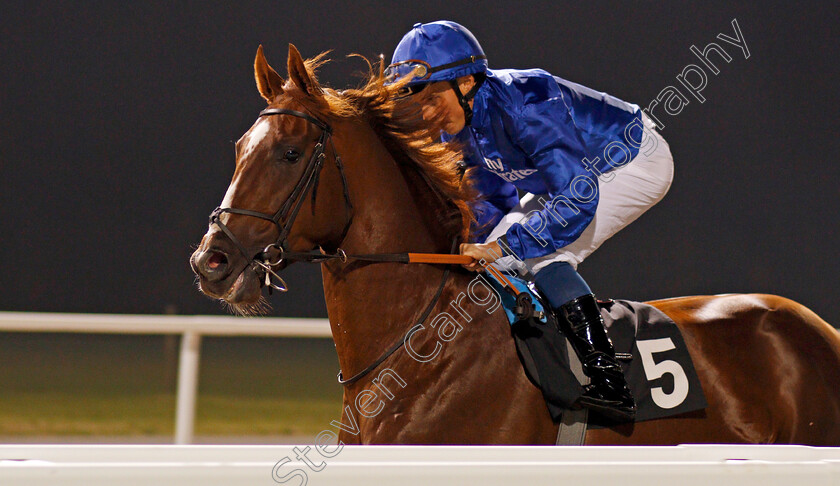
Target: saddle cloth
659 371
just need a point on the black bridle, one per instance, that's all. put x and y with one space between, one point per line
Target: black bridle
284 218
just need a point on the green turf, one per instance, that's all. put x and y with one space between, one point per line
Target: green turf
70 384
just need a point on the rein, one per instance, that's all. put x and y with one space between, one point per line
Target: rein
432 258
262 262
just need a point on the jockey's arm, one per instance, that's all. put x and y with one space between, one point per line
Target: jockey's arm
497 198
546 133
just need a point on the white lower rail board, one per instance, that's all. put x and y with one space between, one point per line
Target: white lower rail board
267 453
95 465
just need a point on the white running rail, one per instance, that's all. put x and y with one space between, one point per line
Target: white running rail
191 329
688 465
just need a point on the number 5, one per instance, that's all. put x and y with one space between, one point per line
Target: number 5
654 370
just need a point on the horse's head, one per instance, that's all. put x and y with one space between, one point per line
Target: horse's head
274 203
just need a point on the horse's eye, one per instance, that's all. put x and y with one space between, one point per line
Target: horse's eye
291 155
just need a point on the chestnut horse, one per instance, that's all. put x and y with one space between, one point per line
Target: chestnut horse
770 368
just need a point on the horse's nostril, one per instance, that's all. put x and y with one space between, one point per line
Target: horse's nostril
216 260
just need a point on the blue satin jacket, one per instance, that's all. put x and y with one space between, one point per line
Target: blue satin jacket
542 134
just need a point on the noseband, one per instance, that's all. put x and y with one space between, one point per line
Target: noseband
284 218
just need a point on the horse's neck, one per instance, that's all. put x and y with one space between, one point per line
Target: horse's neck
371 305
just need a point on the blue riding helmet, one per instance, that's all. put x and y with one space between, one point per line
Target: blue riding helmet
441 51
438 51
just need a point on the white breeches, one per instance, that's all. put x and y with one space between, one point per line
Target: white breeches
631 191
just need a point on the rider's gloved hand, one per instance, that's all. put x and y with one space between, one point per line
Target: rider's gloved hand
486 252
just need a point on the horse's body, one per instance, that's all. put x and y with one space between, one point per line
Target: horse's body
770 368
767 365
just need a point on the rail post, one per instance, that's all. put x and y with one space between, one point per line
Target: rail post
187 387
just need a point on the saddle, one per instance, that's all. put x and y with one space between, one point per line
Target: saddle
648 344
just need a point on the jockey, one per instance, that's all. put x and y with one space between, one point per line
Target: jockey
589 163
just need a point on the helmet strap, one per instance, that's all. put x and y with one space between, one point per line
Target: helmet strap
464 99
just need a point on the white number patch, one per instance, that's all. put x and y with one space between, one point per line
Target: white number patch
654 370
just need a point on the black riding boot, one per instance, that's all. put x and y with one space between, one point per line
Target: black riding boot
607 393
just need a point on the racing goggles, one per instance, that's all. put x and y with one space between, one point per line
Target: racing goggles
402 69
423 71
419 69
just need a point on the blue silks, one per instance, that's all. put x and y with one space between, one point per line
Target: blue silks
541 134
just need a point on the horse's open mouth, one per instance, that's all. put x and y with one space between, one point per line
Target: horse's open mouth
216 260
246 288
237 288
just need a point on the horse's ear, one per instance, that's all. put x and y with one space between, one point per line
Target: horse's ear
269 83
300 76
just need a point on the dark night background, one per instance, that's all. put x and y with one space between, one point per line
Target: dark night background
117 123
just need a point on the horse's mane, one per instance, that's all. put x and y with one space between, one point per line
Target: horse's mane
407 136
